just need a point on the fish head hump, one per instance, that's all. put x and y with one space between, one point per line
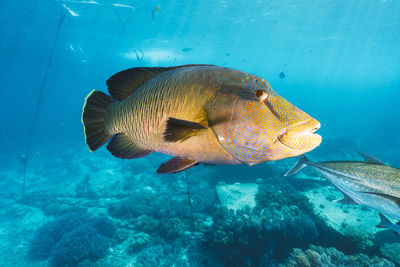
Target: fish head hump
254 124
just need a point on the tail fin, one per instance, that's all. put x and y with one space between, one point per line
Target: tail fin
94 111
385 223
301 164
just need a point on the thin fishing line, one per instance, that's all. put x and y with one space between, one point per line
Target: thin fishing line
128 35
39 99
189 198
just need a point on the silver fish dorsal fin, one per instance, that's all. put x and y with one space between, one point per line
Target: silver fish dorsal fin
371 159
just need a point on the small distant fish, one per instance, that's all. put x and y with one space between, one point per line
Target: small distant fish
282 75
385 223
155 11
198 114
371 182
187 49
23 158
70 11
227 54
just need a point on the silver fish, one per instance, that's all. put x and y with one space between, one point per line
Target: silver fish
371 183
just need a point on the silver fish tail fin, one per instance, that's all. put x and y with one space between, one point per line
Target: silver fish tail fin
301 164
385 223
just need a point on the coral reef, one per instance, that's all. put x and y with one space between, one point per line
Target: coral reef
279 190
146 201
138 241
84 189
183 251
319 256
72 238
154 227
77 245
146 224
160 200
171 228
57 209
249 238
391 251
237 239
290 221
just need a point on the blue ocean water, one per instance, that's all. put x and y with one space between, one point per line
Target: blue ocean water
337 60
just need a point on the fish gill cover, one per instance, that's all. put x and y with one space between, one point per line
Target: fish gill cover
338 61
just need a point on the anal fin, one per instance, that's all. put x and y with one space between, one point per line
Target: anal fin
176 164
180 130
122 147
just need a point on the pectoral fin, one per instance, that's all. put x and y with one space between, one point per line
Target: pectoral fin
346 200
176 164
122 147
180 130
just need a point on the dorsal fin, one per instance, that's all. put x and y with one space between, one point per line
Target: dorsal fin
371 159
122 84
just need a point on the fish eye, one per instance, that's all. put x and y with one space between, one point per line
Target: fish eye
261 95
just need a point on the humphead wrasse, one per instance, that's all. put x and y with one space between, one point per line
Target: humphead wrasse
371 182
197 113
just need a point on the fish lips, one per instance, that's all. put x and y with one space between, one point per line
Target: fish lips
301 136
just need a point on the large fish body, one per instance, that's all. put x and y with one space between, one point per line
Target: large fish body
197 113
371 183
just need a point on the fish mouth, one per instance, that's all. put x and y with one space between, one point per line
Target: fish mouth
301 135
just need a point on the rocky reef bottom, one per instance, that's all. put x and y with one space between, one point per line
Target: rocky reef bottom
95 210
